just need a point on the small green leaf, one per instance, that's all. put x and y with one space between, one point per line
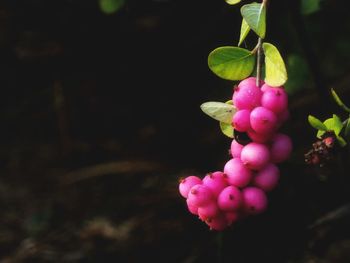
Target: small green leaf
339 101
219 111
341 141
255 16
231 63
316 123
337 124
275 70
309 6
110 6
333 124
226 129
347 128
232 2
244 31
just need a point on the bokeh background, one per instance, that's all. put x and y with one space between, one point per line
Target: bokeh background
100 118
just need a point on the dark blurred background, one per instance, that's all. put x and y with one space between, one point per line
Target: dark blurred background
100 118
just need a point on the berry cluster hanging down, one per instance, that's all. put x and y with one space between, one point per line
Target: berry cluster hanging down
240 189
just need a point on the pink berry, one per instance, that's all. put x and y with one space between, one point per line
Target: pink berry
259 137
283 116
230 198
241 120
255 155
281 148
217 223
187 183
265 87
246 95
250 81
236 149
210 210
216 181
254 200
232 217
267 178
200 195
191 207
263 120
237 174
275 99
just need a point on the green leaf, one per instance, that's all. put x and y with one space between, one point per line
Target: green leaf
339 101
226 129
244 31
316 123
219 111
347 128
333 124
341 141
275 70
310 6
231 63
337 125
255 16
110 6
232 2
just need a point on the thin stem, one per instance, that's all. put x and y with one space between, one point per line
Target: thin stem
258 62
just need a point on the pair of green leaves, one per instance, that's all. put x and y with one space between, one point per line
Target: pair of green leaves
333 124
254 17
235 63
222 112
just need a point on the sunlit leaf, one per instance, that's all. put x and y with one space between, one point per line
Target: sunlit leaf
110 6
347 128
316 123
226 129
341 141
244 31
219 111
255 16
275 70
231 63
333 124
339 101
232 2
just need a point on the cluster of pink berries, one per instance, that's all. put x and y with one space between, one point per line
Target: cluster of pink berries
222 198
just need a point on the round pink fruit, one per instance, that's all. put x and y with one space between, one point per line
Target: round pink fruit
237 174
267 178
200 195
255 155
216 181
254 200
263 120
217 223
191 207
275 99
241 120
209 210
186 184
236 149
230 198
281 148
247 95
